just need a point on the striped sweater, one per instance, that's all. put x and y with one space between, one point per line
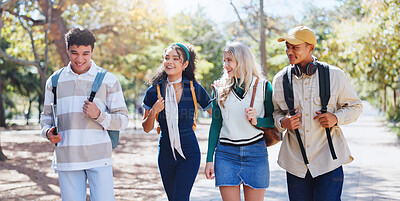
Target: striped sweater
85 142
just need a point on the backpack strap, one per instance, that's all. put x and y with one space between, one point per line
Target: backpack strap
97 83
158 96
324 86
325 94
289 99
195 104
254 93
54 82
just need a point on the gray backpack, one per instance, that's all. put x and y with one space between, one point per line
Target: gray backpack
114 135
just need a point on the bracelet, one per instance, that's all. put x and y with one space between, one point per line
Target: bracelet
46 133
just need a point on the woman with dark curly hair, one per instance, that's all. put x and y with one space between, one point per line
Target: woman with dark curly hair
172 101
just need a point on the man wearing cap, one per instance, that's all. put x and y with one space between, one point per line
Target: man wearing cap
314 174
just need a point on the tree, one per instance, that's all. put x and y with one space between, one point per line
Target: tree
261 24
20 13
208 40
366 43
260 30
120 41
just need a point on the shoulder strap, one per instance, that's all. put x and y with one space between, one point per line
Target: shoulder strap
97 83
325 94
158 91
195 104
268 94
158 96
288 90
289 99
54 82
324 85
254 93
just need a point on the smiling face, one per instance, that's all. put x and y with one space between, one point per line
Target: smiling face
80 57
230 64
299 54
173 64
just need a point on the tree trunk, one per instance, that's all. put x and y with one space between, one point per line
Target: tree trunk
2 111
384 100
2 117
394 99
41 100
58 29
2 156
28 113
263 51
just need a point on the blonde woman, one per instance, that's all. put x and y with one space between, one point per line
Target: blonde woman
241 156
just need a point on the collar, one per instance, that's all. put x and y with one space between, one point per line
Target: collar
92 70
162 82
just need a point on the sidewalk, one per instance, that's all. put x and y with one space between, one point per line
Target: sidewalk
373 175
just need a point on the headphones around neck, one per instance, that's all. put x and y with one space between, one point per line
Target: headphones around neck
310 69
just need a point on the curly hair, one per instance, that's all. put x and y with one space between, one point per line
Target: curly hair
80 37
190 70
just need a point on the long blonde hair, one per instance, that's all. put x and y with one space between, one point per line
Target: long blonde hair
247 67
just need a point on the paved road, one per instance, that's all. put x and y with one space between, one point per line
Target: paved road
374 175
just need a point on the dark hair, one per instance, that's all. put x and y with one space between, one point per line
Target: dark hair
79 37
190 70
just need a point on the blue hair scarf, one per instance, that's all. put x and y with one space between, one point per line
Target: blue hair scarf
184 48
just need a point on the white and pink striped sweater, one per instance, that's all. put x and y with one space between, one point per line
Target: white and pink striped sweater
85 142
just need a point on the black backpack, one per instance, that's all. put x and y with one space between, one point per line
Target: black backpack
324 93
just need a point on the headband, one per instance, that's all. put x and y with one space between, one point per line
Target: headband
184 48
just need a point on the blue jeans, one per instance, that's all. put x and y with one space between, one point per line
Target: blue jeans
73 184
326 187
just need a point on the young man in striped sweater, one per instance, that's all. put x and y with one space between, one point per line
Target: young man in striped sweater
83 148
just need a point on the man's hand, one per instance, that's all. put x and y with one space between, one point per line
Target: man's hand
327 120
90 109
53 138
251 115
291 122
209 170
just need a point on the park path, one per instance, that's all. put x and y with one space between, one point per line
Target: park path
374 174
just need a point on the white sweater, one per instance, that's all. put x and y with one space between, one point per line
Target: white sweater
236 129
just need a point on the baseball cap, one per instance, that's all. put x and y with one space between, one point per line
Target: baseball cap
299 35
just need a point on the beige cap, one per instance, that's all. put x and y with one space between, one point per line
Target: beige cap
299 35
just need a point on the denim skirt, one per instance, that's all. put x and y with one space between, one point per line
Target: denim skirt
242 164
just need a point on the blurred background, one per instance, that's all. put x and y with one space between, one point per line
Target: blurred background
359 36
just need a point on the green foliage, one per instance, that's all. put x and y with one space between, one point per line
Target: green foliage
361 37
198 30
393 113
364 41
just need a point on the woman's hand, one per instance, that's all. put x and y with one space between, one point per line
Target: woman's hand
159 105
251 115
209 170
